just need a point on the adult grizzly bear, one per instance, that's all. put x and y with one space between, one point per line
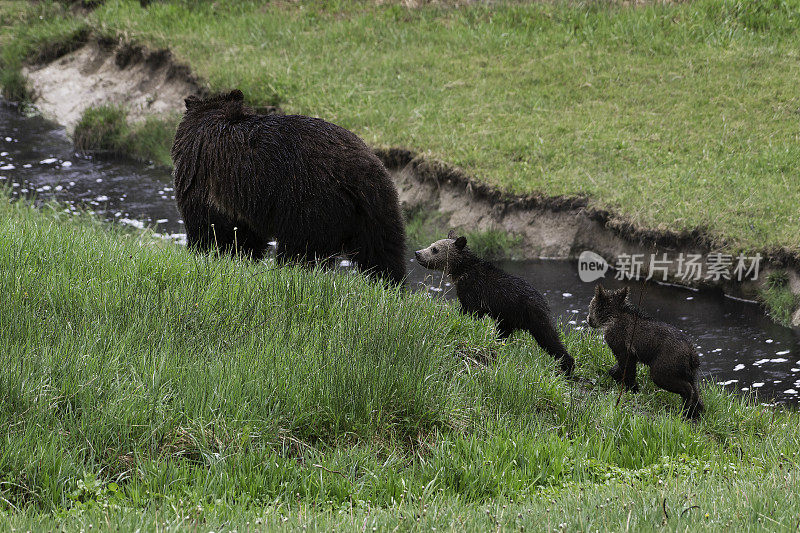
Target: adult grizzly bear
243 178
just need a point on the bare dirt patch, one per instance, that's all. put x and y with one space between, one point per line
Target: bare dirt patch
144 82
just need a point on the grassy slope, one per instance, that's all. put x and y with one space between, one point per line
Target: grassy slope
144 384
676 116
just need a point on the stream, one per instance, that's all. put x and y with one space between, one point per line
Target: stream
739 346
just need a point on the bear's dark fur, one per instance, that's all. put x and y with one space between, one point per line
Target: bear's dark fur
243 178
484 289
668 351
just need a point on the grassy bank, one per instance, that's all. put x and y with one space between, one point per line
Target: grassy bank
676 116
106 129
147 386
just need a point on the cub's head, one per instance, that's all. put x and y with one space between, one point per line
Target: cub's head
442 254
605 305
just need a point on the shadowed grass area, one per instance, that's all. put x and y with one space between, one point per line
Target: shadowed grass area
150 385
106 129
779 299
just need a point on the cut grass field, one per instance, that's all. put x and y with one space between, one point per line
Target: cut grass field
675 116
148 387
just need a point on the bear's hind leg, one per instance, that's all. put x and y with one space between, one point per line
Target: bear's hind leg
674 380
545 334
624 372
207 229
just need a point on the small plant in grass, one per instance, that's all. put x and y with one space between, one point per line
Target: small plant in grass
152 139
493 243
13 84
104 128
778 297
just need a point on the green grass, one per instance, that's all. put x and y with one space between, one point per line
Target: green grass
106 129
677 116
145 385
33 32
779 299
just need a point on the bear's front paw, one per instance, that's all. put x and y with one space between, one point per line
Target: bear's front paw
632 387
616 373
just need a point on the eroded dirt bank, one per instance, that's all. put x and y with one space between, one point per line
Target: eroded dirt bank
144 82
147 82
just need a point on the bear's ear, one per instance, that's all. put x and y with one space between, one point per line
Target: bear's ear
236 95
622 294
191 101
461 242
452 234
598 290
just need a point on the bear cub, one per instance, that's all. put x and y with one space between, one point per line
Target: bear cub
668 351
483 289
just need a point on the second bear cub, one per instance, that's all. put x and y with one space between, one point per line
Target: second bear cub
634 337
483 289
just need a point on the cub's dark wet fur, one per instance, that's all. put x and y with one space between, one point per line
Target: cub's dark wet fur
484 289
668 351
243 178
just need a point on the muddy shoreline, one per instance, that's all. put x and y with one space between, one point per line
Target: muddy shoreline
147 82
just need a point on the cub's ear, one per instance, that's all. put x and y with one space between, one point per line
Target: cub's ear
461 242
598 290
191 101
236 95
622 294
452 234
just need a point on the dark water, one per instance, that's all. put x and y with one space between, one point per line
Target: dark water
739 346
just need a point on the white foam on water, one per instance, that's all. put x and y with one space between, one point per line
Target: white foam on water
66 164
738 367
784 352
132 222
758 385
8 167
566 294
102 198
769 341
790 391
729 382
48 161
